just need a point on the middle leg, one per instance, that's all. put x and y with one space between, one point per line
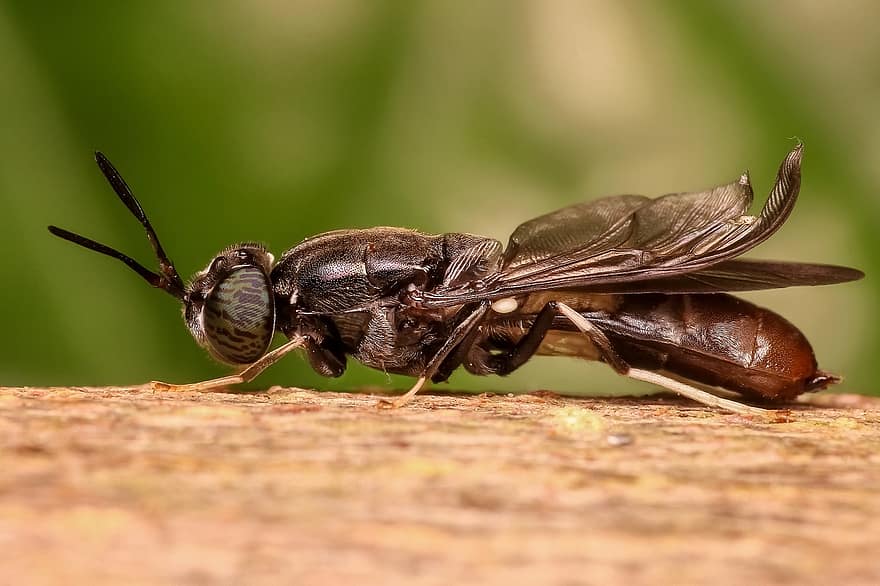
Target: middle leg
480 359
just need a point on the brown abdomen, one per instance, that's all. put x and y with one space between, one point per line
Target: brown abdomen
715 339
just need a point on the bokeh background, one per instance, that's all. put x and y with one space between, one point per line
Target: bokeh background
274 120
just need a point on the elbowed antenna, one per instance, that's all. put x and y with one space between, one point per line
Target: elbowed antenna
167 279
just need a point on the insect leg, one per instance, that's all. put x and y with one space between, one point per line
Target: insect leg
246 375
609 355
483 358
460 332
457 357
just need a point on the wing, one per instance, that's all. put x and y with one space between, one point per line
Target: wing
583 229
608 243
737 275
673 234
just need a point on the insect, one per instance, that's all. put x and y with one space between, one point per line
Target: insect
640 284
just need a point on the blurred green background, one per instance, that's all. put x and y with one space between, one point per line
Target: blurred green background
274 120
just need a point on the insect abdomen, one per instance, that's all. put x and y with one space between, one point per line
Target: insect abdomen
715 339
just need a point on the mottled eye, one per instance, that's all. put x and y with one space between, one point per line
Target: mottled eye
239 316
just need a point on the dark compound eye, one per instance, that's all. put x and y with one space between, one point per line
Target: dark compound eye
239 316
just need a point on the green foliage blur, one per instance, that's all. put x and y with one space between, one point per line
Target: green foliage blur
272 121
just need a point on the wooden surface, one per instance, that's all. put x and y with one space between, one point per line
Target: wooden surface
113 486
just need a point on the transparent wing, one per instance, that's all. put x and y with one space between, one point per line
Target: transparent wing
632 224
578 230
738 275
672 234
614 243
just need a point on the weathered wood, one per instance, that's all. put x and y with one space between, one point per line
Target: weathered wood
113 485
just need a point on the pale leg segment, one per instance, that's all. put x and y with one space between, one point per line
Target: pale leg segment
615 361
246 375
405 398
694 393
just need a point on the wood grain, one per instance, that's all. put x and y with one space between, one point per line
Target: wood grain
124 485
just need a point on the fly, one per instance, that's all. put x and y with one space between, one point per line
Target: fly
640 284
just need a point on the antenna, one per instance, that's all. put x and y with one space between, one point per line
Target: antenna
167 279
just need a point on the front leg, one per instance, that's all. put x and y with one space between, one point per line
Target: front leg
246 375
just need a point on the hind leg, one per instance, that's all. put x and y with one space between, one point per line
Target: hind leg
609 355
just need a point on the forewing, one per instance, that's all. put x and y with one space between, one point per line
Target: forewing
649 234
670 225
738 275
626 239
576 230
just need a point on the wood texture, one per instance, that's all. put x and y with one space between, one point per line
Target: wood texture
115 485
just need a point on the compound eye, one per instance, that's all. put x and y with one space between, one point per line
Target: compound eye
239 316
